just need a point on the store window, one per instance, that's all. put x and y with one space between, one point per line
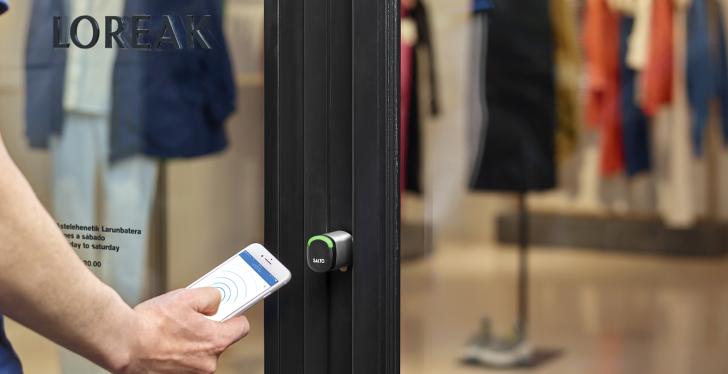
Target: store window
146 146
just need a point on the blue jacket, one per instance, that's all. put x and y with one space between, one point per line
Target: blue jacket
700 69
9 363
166 104
482 5
635 125
721 74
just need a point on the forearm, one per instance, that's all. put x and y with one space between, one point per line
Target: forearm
44 285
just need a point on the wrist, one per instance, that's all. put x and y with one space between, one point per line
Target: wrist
120 355
122 340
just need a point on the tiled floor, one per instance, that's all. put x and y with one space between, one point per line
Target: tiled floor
608 313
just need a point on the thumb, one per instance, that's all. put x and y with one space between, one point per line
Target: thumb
234 329
203 300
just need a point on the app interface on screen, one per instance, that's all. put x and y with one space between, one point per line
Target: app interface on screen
239 281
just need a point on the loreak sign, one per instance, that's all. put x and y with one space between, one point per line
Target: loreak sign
117 30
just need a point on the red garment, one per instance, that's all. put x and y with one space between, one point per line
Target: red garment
657 76
601 43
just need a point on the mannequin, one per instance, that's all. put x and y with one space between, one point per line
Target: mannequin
514 119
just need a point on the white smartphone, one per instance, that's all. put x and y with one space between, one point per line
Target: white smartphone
243 280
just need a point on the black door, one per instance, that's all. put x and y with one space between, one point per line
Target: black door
332 150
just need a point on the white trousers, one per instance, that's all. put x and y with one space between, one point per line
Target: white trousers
88 190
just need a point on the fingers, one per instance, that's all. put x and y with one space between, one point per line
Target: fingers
175 337
234 329
204 300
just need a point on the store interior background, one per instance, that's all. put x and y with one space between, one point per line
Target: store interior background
636 309
608 310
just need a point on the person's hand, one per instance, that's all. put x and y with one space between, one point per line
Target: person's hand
173 335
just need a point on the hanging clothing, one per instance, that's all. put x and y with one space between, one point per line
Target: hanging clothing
568 75
45 75
422 55
426 45
722 198
482 5
700 68
9 363
127 188
81 157
517 151
195 88
164 104
407 45
413 157
707 77
601 43
89 72
657 76
671 127
634 121
80 166
638 43
722 67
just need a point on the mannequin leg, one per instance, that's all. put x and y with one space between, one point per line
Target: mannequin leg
75 158
129 190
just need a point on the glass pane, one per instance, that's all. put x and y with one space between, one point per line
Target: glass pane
150 158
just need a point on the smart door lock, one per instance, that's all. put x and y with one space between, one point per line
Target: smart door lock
329 252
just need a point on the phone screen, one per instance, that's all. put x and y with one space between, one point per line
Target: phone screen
240 280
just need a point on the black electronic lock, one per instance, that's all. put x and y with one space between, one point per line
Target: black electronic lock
329 252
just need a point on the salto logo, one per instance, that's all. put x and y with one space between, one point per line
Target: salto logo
117 29
319 261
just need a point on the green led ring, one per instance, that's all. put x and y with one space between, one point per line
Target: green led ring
323 238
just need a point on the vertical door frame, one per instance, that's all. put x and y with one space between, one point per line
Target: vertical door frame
332 163
376 84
